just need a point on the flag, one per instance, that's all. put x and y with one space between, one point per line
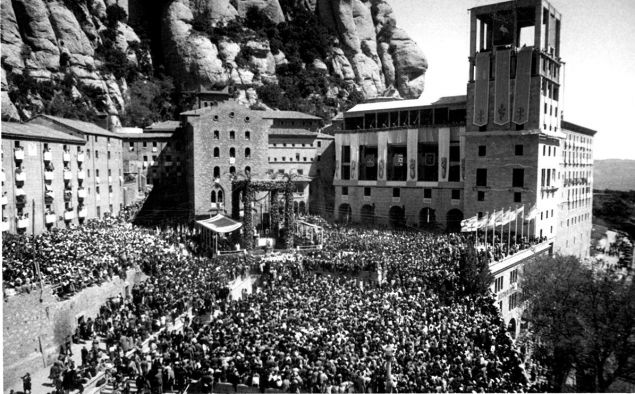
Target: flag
469 224
501 217
533 212
483 221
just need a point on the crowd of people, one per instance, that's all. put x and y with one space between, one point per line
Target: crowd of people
312 324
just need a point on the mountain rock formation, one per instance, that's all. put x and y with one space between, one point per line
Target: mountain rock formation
88 54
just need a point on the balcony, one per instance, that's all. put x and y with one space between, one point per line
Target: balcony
4 225
48 156
23 223
4 200
81 194
69 215
80 157
19 154
97 197
83 213
68 175
97 180
48 175
109 180
20 176
66 157
19 192
232 160
154 149
110 195
81 175
50 218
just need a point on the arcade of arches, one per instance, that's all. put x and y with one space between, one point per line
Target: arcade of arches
397 218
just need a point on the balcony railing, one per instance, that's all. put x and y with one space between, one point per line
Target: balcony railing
19 154
50 218
48 175
81 193
97 180
48 156
20 176
109 180
66 157
82 213
4 225
23 223
80 157
69 215
4 200
19 192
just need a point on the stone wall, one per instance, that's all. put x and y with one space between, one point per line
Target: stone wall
36 324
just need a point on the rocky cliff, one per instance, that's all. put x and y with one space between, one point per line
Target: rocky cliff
64 55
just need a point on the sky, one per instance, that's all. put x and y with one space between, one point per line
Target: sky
598 47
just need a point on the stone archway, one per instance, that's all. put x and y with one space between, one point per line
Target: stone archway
396 216
368 214
453 221
344 213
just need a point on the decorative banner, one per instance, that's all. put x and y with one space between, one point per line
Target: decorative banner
481 88
353 168
337 169
523 83
398 160
444 167
501 98
381 169
430 159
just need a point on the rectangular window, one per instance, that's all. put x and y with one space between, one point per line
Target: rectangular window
96 154
513 301
482 149
344 190
456 194
518 197
300 171
145 144
498 284
513 276
319 144
367 163
542 177
346 162
518 177
396 192
481 177
480 196
427 193
319 157
367 191
518 150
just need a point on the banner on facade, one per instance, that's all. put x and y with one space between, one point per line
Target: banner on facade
523 84
501 100
481 88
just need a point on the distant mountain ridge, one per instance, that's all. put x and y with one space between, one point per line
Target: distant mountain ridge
614 174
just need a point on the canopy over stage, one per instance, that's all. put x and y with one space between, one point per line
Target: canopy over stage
220 224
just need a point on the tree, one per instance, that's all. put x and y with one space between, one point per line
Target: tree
474 274
582 320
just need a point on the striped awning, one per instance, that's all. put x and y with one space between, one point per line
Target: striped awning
220 224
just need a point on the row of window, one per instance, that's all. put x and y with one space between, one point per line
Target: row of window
578 219
499 281
518 177
518 196
297 158
284 144
232 152
396 192
232 135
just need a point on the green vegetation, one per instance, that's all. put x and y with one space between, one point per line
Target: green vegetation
580 321
615 209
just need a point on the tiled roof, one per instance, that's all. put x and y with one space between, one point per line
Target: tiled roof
34 131
289 115
578 129
143 136
168 125
404 104
325 136
80 126
448 100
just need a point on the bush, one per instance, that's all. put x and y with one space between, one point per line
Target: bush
114 14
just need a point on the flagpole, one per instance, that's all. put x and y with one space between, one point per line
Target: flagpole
486 225
522 225
516 226
509 231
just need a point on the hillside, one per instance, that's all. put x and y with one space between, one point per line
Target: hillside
614 174
78 58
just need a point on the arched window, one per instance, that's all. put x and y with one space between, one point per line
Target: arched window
232 152
247 153
247 170
216 152
247 135
213 198
216 172
232 135
216 134
232 170
220 196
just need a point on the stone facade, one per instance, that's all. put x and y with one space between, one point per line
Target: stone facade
36 324
212 136
74 176
574 221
